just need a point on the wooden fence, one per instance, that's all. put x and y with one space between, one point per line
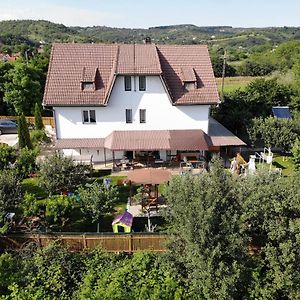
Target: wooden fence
30 120
154 242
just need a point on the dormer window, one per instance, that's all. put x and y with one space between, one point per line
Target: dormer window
189 86
88 79
189 78
88 86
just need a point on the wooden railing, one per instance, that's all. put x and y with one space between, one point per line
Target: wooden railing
133 242
30 120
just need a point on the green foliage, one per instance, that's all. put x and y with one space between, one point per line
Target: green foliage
26 162
274 132
97 200
22 88
7 156
23 133
59 208
271 209
10 191
296 154
38 137
9 274
210 240
50 273
38 121
253 68
29 205
256 100
60 174
217 64
142 276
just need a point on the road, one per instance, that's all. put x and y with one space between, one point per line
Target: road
10 139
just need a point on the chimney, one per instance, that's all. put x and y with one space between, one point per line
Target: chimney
147 40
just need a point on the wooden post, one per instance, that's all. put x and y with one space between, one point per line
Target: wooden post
104 157
113 156
130 243
84 242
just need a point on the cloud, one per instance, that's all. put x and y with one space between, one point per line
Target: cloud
70 16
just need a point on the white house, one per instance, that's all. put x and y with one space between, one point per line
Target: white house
115 100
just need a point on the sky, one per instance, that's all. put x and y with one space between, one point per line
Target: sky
149 13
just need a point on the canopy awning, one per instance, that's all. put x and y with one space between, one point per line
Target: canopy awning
149 176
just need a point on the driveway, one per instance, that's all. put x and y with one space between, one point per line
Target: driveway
10 139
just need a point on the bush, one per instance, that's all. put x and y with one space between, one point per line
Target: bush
60 174
38 117
23 133
38 137
296 155
7 156
26 162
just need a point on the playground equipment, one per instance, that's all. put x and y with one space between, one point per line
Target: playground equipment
265 156
124 220
240 166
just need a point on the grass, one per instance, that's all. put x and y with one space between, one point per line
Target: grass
31 185
231 84
79 224
285 163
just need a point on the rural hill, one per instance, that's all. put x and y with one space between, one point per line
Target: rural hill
32 32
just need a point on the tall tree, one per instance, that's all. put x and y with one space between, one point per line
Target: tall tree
60 174
22 88
38 117
97 200
209 241
23 133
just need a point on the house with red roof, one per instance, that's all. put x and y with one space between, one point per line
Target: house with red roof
116 100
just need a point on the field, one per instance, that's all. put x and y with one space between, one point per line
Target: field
233 83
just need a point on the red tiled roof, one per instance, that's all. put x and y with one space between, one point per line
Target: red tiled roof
63 86
149 176
174 58
79 143
188 74
138 59
70 64
194 139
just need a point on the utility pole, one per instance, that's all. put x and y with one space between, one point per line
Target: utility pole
26 56
223 74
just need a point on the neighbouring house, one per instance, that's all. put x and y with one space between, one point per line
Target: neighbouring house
116 100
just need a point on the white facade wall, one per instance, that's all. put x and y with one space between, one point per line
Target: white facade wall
160 113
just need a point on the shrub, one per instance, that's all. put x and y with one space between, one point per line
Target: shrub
60 174
39 136
23 133
7 156
26 162
296 155
38 117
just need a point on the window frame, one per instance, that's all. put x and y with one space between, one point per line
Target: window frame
127 83
142 83
128 115
142 116
90 119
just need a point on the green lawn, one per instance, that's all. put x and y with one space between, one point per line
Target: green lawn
31 185
285 163
233 83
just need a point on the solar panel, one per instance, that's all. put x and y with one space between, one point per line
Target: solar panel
281 112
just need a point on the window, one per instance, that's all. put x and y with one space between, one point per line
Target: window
142 83
89 116
128 115
142 115
87 86
127 83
